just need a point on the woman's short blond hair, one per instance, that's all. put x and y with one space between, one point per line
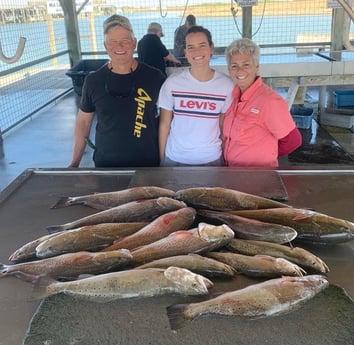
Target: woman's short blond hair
243 45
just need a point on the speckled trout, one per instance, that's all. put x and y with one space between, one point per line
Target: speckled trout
134 211
128 284
103 201
272 297
223 199
69 266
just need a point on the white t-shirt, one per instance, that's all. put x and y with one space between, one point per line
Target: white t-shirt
194 136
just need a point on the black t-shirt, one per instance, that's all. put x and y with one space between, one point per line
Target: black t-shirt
127 122
152 51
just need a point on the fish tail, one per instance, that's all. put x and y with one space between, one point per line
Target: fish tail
13 257
55 228
41 287
176 316
64 201
3 270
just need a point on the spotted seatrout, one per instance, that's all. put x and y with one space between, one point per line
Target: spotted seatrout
69 266
127 284
134 211
89 238
103 201
311 226
258 265
272 297
224 199
297 255
157 229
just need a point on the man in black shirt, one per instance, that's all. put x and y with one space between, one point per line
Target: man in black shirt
123 95
152 51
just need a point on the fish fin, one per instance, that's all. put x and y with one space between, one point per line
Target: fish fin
265 257
181 233
85 275
96 206
303 215
25 276
63 201
55 228
84 256
40 287
117 240
176 317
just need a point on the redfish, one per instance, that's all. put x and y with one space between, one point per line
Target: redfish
103 201
196 263
28 250
89 238
311 226
272 297
297 255
69 266
258 265
134 211
224 199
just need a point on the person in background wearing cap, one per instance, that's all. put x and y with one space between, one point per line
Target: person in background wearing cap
123 95
192 103
180 34
152 51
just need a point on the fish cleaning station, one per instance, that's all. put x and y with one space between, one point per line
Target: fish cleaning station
187 254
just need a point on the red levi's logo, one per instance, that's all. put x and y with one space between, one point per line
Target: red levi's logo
202 105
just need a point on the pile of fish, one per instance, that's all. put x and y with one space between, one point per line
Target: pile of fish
150 241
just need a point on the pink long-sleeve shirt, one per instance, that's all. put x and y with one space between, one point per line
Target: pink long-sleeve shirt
253 126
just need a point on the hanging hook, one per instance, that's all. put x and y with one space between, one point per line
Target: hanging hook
162 15
18 54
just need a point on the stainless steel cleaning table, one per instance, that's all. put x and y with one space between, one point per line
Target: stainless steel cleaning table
25 212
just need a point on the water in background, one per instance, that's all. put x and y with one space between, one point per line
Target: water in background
224 30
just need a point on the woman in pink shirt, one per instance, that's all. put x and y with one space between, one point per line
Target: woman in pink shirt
258 127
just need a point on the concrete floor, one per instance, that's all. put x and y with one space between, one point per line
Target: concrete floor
43 141
46 140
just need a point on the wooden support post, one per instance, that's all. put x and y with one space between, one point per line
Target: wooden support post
72 30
